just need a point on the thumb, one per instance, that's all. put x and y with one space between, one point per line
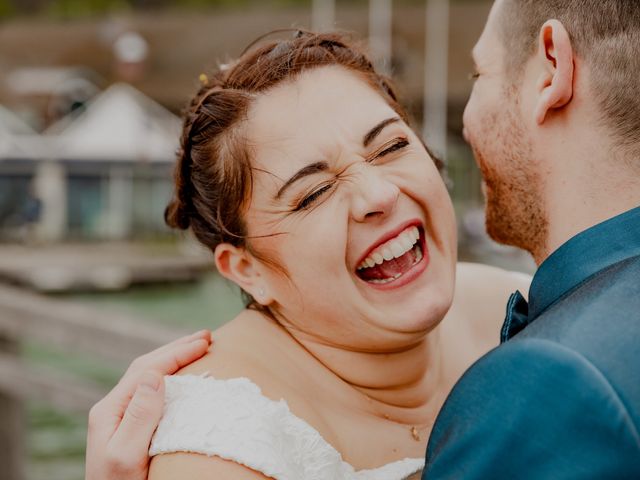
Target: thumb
133 436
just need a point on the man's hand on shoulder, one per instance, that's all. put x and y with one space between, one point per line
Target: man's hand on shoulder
122 423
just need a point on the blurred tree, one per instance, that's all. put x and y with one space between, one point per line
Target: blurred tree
27 6
6 8
71 8
148 4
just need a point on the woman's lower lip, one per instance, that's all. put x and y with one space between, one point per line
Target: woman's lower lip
414 272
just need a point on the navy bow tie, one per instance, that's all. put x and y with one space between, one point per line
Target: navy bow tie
517 317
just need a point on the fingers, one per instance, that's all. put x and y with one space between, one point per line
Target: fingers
165 360
149 358
130 443
141 361
168 359
122 423
174 349
202 334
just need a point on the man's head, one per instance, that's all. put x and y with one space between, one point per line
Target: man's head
556 77
605 34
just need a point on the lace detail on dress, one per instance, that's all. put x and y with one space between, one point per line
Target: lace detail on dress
231 419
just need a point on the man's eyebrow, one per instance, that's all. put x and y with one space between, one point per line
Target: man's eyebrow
303 172
375 131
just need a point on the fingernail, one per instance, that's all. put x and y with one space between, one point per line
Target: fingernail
150 380
199 333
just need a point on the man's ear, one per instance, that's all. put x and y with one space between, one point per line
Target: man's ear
555 83
239 266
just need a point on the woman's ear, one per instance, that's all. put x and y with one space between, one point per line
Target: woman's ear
555 83
239 266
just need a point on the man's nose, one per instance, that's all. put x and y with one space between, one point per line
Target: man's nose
465 122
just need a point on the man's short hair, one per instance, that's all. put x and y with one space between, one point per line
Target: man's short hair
604 33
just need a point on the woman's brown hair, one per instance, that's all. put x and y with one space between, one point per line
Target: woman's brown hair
213 177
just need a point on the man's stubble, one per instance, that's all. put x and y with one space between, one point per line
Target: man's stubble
515 209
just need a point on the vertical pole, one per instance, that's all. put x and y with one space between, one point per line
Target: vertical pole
120 203
50 184
380 33
323 15
436 65
12 426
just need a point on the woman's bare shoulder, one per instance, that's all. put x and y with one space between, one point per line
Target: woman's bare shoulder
199 467
487 280
237 348
254 346
482 292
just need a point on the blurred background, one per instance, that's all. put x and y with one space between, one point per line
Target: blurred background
90 98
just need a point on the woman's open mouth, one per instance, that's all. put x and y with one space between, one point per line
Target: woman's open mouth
393 259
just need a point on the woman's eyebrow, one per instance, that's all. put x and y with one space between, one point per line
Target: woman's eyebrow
375 131
318 167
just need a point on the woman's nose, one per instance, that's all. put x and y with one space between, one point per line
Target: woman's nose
375 196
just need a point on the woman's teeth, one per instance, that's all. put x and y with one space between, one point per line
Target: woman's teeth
394 248
382 281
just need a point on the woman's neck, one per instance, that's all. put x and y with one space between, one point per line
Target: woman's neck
407 386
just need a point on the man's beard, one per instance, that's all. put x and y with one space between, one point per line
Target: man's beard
515 211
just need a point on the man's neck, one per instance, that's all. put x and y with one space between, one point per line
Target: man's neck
576 208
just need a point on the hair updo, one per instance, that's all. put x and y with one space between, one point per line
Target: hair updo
213 176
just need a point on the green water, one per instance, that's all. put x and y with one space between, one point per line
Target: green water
56 441
205 304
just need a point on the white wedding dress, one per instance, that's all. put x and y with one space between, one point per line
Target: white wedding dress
231 419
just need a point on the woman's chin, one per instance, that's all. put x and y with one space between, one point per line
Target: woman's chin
415 319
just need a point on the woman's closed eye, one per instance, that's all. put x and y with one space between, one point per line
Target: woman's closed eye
307 201
388 148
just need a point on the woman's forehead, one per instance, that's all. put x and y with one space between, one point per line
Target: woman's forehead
320 111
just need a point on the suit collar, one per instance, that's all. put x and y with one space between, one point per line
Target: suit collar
584 255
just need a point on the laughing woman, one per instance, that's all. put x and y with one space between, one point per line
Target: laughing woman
299 171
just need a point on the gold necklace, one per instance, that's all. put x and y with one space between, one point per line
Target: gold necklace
413 429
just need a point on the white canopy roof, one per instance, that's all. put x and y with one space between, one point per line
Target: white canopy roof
16 136
8 145
10 122
120 124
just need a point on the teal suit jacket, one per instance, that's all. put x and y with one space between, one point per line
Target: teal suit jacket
560 398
